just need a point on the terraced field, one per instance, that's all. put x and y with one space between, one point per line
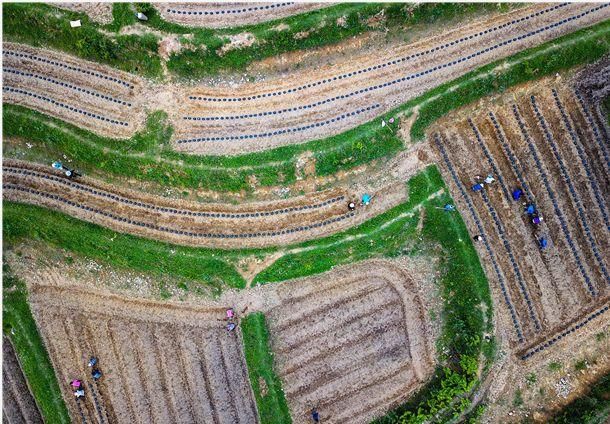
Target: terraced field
189 223
303 106
86 94
219 15
544 141
161 362
353 342
18 405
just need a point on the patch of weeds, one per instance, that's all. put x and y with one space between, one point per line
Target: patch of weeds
581 365
531 379
518 399
555 366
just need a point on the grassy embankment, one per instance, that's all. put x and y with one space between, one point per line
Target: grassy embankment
267 387
44 25
19 325
147 156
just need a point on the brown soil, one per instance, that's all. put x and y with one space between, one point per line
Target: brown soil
18 405
386 97
556 280
162 362
354 342
226 18
82 86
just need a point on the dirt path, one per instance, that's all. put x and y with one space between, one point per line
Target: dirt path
18 405
303 106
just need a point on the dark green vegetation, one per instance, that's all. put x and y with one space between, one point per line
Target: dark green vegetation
578 48
267 387
43 25
147 156
594 408
25 222
19 325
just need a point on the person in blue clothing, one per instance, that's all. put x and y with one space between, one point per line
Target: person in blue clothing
517 194
542 242
315 416
530 209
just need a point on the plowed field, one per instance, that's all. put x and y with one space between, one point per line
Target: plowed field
352 342
162 363
540 139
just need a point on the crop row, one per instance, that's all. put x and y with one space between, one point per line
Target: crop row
175 231
282 131
124 200
575 196
386 64
553 198
481 231
68 67
585 163
66 85
63 105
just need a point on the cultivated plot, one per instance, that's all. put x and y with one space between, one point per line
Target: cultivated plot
541 140
189 223
18 405
161 362
353 342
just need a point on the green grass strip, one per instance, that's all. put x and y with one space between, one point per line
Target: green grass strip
19 325
124 251
270 400
147 156
384 235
